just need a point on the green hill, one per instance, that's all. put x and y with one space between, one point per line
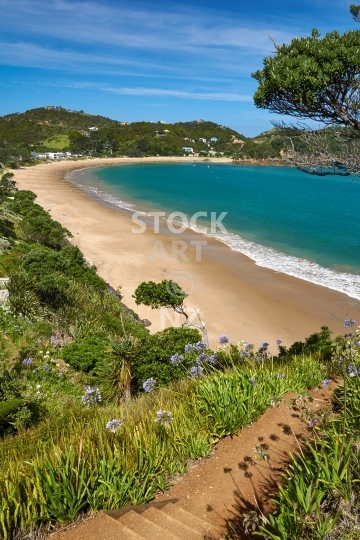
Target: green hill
49 129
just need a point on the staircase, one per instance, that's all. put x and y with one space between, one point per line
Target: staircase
163 520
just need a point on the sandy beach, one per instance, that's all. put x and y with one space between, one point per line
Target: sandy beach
234 295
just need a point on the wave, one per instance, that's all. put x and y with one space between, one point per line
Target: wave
266 257
300 268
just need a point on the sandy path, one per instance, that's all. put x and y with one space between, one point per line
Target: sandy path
234 295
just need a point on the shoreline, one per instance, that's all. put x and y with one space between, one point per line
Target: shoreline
234 295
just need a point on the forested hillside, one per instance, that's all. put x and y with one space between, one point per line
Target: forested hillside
57 129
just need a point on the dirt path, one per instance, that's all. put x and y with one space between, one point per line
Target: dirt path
233 480
242 474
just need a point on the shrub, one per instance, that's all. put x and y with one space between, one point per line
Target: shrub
84 354
155 353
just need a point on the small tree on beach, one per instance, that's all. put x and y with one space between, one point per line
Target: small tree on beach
166 294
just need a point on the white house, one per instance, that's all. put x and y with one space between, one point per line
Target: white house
202 140
188 149
93 128
213 139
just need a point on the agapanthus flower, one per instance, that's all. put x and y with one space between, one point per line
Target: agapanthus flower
279 342
113 425
164 418
46 367
176 359
313 422
27 361
252 380
200 345
249 346
189 347
149 384
91 396
325 382
280 375
223 339
212 358
196 371
201 358
349 322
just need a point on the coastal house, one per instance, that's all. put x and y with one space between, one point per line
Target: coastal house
123 123
49 107
202 140
214 139
188 149
166 130
93 128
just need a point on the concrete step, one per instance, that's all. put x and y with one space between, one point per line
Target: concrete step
144 527
184 517
172 525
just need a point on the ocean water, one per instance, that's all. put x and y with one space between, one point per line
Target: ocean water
302 225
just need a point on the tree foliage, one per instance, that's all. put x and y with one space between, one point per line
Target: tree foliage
314 78
166 294
355 12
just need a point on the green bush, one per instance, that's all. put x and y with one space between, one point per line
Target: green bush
156 351
84 354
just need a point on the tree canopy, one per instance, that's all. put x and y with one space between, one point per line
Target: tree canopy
355 12
166 294
314 78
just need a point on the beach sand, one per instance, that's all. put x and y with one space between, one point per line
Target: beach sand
234 295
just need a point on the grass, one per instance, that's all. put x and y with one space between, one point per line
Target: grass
74 463
58 142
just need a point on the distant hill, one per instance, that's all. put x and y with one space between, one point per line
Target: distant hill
49 129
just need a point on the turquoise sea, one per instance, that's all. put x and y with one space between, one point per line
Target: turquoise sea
306 226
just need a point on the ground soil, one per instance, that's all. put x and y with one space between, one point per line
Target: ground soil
233 480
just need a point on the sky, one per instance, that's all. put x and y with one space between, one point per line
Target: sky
171 61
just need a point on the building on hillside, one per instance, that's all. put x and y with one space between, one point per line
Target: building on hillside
93 128
123 123
49 107
84 133
166 130
188 149
214 139
202 140
189 139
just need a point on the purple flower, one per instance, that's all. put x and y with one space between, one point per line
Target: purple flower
201 358
176 359
212 358
223 339
164 418
252 380
189 347
280 375
312 423
196 371
113 425
249 347
27 361
200 345
349 322
325 382
91 396
279 342
149 384
46 367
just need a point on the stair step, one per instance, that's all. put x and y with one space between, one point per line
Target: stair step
199 525
172 525
145 528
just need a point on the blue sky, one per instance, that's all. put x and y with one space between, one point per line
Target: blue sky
170 61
